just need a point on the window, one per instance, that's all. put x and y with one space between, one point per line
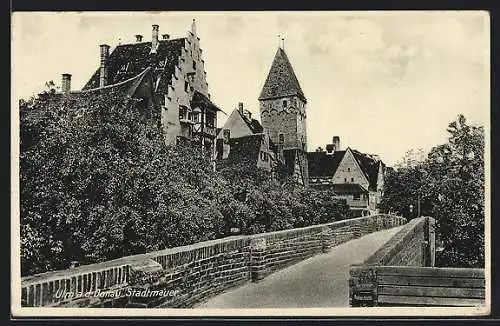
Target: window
281 137
352 179
285 103
210 119
356 197
183 112
194 65
186 86
348 169
345 180
196 117
263 156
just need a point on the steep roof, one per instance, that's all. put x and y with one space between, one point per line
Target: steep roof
369 166
79 102
281 80
201 100
322 165
128 60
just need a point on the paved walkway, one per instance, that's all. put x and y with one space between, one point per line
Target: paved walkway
320 281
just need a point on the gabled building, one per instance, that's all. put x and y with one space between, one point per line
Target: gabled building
179 84
283 115
355 176
240 123
242 141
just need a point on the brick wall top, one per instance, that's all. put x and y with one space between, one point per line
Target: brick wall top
198 249
397 242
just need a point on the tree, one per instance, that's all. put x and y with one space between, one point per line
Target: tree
450 187
456 182
98 182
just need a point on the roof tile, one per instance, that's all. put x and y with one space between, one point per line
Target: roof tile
281 80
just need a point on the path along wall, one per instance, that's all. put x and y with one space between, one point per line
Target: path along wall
183 276
402 273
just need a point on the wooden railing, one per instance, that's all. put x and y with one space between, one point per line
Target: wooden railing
420 286
402 273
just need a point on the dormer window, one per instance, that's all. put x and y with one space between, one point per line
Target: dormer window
123 69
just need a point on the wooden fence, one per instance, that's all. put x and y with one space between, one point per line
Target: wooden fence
417 286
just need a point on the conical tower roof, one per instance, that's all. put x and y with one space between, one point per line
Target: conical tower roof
281 80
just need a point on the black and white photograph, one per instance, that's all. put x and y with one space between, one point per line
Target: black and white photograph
280 163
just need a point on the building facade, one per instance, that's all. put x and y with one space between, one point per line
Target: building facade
242 140
354 176
283 115
179 80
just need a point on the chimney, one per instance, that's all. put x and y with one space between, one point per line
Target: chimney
330 149
240 108
154 39
336 143
103 73
247 114
165 36
138 38
66 83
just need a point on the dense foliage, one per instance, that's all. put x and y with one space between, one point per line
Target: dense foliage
449 185
97 182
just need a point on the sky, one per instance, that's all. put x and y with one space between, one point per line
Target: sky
385 82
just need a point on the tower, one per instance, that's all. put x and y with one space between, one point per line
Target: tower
283 115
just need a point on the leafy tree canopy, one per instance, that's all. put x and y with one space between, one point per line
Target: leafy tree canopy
449 186
98 182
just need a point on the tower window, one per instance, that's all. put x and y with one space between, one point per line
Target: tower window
285 103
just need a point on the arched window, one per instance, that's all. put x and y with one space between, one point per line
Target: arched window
285 103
